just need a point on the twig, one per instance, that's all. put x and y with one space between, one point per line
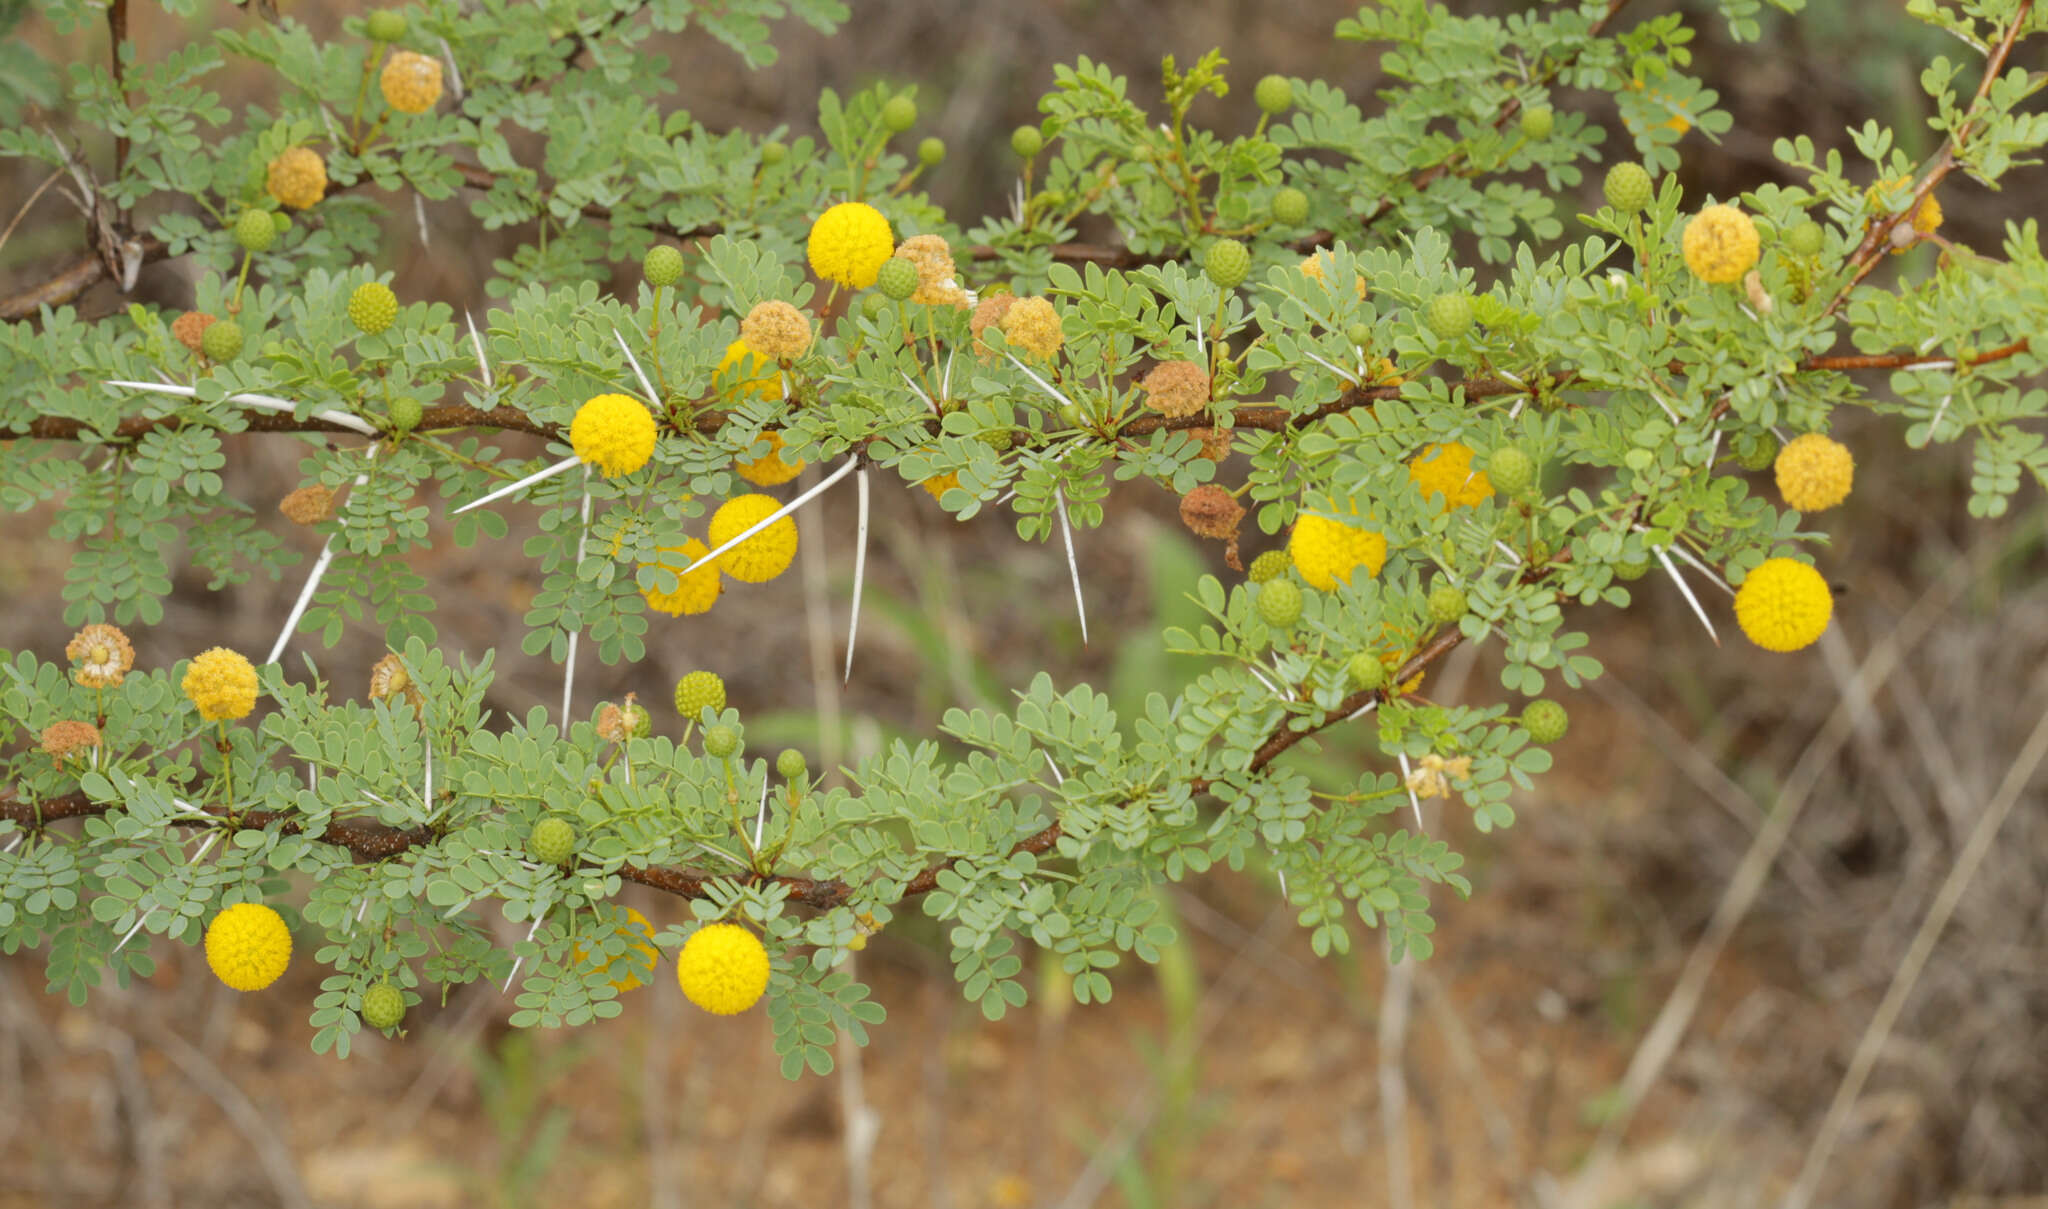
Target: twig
250 1120
1975 849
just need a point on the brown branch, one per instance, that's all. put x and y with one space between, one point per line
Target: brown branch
1908 360
117 34
370 841
1865 258
71 281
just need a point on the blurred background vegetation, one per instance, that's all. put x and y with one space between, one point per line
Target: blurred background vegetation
1242 1070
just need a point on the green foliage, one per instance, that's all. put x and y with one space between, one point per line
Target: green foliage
1452 299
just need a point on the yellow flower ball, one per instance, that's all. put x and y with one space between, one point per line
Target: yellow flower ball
1033 324
939 484
248 946
411 81
848 244
1720 244
297 178
761 557
1446 470
769 470
1814 472
758 377
1784 605
776 330
723 969
1927 219
694 593
222 683
1326 550
613 433
625 965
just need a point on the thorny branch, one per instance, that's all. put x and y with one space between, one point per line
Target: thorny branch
82 275
370 841
1266 417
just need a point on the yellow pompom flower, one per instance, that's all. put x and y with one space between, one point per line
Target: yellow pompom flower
723 969
1326 550
758 377
1814 472
248 946
1312 266
939 484
761 557
297 178
1720 244
625 965
1784 605
1033 324
769 470
1446 470
613 433
222 683
411 81
1925 220
848 244
695 592
776 330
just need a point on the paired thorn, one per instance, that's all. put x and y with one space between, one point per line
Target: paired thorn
261 402
1672 570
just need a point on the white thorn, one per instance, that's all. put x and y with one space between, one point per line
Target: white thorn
1073 569
1057 779
1516 410
1509 551
483 365
639 373
1935 424
1687 589
919 392
569 664
1414 802
528 481
454 72
1360 376
1260 676
761 819
860 567
1925 366
517 962
130 934
320 565
261 402
1362 710
708 850
946 377
419 215
845 468
427 781
1043 385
